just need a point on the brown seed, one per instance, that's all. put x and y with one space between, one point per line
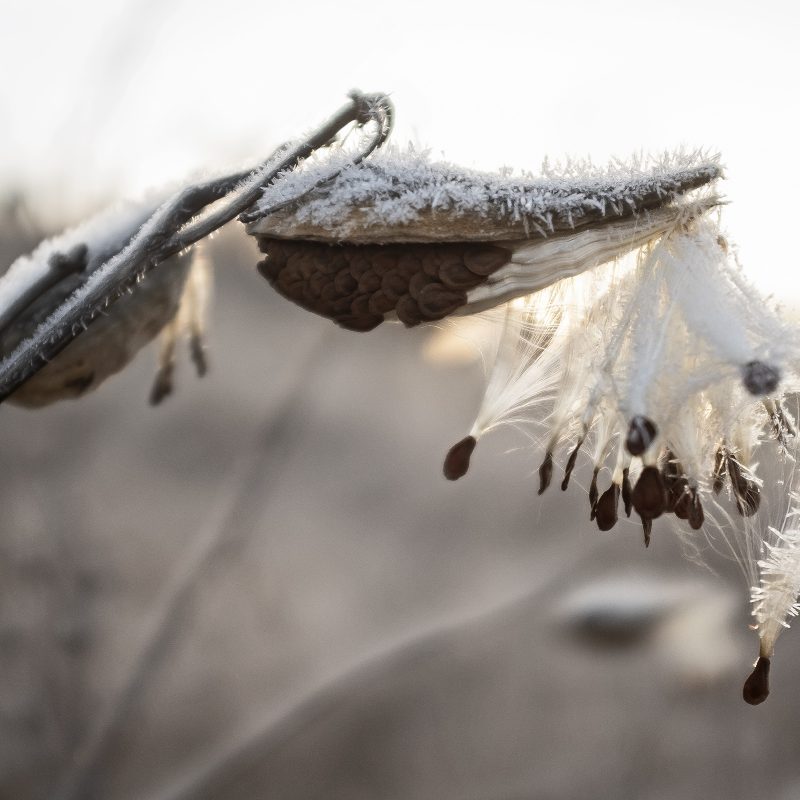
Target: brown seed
696 515
379 303
756 687
456 463
573 457
683 505
649 495
606 509
627 492
409 263
358 262
317 283
360 306
408 311
674 481
417 283
545 472
393 284
747 503
437 301
485 260
593 494
457 276
344 282
270 267
641 433
760 379
361 324
746 491
369 282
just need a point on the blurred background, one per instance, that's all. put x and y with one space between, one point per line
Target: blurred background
264 588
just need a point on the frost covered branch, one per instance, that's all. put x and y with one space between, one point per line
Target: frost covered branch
166 231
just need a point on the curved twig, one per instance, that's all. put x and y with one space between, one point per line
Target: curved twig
174 227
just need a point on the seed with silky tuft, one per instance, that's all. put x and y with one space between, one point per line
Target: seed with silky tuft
649 495
546 472
756 687
573 457
641 433
627 491
759 378
456 463
606 508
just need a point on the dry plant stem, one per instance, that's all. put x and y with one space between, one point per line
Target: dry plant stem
242 501
173 228
56 270
213 778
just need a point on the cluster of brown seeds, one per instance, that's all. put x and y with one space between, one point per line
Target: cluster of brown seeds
660 489
358 285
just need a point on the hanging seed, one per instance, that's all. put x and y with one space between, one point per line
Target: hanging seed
696 515
545 472
573 457
746 491
760 379
593 494
756 687
649 495
627 492
456 463
606 509
675 483
641 433
683 505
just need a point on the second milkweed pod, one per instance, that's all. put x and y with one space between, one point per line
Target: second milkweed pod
170 300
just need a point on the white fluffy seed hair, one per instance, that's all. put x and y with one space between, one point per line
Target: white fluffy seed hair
666 335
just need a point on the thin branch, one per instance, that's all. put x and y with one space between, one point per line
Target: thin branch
174 227
243 496
217 772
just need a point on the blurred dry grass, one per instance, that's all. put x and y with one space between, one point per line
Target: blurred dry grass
353 626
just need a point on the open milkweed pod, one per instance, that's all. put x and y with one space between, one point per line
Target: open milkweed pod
398 236
170 302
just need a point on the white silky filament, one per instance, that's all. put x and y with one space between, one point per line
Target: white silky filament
668 370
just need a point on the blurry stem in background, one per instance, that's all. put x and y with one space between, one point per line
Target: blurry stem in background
241 500
218 771
176 226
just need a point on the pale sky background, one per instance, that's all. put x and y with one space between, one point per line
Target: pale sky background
103 98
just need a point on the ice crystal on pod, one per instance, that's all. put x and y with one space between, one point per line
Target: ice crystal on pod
666 371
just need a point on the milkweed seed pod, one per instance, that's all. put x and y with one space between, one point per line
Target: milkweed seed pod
170 300
399 237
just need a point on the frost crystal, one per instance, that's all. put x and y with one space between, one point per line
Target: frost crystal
394 189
